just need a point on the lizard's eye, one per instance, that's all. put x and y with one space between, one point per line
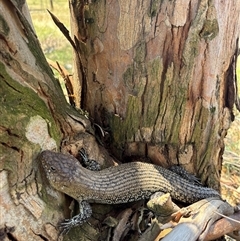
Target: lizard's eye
52 168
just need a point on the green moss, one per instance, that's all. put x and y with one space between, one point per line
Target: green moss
4 28
90 17
156 100
192 43
210 29
212 109
152 93
20 3
132 121
140 53
154 8
18 105
201 132
128 75
127 128
155 68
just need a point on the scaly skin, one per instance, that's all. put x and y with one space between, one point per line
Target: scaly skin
119 184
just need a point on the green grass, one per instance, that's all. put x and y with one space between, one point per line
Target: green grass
54 44
230 180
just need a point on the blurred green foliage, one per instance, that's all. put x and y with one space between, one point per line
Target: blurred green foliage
54 44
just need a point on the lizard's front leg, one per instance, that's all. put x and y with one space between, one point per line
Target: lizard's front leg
88 163
85 212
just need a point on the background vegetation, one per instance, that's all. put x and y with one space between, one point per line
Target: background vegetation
54 45
57 48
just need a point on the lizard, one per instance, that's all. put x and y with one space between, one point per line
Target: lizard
124 183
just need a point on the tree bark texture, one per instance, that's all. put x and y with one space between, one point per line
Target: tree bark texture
159 75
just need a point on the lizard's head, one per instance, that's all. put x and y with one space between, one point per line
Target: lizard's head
60 169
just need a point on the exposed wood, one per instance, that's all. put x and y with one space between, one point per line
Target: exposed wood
199 218
227 225
196 222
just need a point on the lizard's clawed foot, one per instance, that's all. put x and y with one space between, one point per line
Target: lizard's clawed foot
67 224
82 217
89 163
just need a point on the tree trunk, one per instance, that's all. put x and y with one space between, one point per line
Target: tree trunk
158 75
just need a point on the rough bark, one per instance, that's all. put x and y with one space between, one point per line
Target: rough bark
157 74
160 77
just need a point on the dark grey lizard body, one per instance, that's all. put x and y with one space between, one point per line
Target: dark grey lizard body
119 184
